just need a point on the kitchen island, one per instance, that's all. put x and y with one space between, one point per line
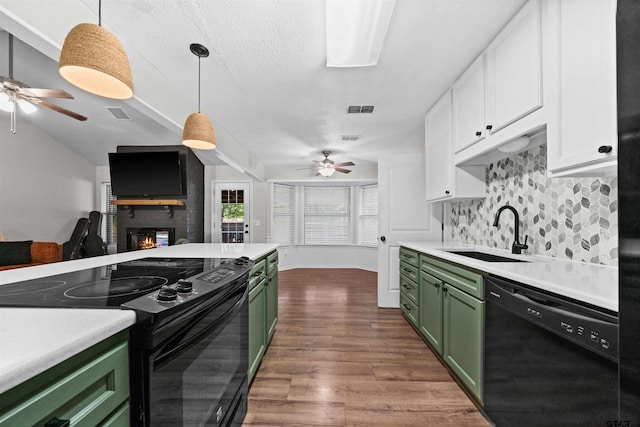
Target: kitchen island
36 339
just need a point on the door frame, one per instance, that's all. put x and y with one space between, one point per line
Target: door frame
219 185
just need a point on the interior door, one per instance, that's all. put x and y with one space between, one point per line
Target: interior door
403 215
231 219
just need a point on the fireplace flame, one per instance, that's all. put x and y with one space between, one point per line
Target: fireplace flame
147 243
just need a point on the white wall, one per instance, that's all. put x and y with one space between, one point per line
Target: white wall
362 257
44 186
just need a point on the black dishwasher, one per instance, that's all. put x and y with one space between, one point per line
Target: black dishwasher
548 361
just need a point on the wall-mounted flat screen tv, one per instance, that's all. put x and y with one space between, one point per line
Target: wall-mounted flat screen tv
146 174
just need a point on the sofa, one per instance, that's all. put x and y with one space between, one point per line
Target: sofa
27 253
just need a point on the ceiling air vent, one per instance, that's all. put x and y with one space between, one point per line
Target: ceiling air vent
357 109
349 138
118 113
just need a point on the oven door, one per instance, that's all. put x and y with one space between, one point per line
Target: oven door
197 374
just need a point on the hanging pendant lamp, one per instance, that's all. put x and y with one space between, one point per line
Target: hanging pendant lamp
198 131
93 59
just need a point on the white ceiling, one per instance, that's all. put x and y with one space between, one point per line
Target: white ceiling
265 85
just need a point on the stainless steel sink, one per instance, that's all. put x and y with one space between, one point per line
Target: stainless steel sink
486 257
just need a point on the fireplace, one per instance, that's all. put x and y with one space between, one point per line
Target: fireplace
147 238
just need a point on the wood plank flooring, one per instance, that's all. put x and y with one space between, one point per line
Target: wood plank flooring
338 360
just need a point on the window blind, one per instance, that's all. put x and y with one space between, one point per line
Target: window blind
283 221
327 215
369 215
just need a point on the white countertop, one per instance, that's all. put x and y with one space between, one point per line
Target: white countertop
590 283
35 339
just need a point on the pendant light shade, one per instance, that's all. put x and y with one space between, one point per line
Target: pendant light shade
93 59
198 131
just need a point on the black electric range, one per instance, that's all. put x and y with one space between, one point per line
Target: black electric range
147 285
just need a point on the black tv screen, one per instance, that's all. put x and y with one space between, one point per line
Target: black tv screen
145 174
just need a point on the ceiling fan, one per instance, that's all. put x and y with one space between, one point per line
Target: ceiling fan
14 92
326 166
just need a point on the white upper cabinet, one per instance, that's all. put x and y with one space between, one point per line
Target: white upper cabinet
514 70
499 97
582 126
468 106
444 181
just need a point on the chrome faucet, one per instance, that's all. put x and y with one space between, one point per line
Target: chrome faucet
516 247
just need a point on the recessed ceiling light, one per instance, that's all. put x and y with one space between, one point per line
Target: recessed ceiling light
354 109
349 138
367 109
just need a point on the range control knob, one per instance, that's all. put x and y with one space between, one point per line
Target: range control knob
184 286
243 260
167 294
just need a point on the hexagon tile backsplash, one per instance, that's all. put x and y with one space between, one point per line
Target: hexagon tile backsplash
572 218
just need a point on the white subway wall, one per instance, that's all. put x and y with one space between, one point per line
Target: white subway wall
44 186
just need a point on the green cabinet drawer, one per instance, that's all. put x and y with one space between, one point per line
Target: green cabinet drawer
410 289
463 325
466 280
272 262
409 256
257 273
409 309
86 389
408 270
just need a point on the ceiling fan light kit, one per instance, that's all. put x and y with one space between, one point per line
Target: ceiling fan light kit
93 59
197 131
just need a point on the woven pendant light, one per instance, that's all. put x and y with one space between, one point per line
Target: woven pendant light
93 59
198 131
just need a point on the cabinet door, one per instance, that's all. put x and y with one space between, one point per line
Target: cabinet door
514 69
468 106
438 155
257 330
463 318
430 322
585 87
272 304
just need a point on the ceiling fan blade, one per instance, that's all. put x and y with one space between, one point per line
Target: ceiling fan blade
59 109
343 170
344 164
45 93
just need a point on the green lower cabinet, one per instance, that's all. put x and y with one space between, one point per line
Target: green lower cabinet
463 323
257 328
409 309
272 304
430 325
89 389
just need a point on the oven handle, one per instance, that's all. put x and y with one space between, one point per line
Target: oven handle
175 350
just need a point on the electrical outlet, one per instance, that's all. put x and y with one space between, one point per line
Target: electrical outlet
256 222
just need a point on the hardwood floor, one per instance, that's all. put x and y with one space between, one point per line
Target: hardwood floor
338 360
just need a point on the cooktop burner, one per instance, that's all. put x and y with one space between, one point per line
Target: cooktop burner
112 285
124 286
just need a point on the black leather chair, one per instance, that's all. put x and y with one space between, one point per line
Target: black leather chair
93 244
73 248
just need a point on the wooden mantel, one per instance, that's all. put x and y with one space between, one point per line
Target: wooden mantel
132 203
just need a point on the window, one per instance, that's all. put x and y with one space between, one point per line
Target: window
369 215
109 225
282 229
232 216
327 215
333 214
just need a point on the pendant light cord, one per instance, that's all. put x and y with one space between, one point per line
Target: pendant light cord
199 58
100 13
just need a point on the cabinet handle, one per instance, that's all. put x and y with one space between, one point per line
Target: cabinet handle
444 289
489 127
56 422
478 133
447 192
406 307
437 285
605 149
